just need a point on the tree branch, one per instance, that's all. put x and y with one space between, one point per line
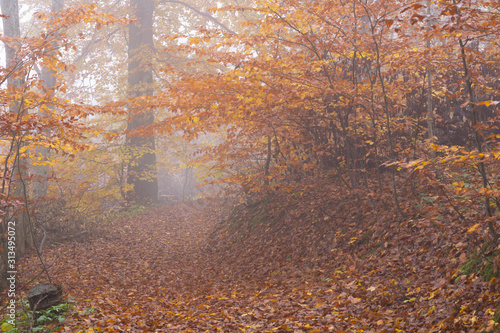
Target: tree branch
199 12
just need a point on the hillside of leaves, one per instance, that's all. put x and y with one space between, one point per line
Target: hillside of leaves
214 266
392 105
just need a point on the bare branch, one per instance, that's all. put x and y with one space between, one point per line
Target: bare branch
199 12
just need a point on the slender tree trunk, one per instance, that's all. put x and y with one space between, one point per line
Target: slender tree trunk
142 173
387 115
430 115
10 9
478 139
186 185
477 135
41 172
268 161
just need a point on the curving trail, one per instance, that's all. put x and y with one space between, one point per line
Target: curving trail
166 271
153 273
136 272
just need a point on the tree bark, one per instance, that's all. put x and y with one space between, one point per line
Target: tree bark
11 28
142 173
430 110
41 172
477 135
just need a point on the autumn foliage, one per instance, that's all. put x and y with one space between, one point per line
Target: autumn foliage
359 123
36 116
389 104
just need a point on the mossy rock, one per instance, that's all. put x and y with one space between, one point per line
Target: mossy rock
45 295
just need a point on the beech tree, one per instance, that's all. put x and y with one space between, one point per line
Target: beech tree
41 172
141 171
363 117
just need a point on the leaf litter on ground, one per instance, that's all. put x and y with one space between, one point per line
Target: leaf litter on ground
176 268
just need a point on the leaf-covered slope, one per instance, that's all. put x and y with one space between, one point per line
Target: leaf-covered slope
179 269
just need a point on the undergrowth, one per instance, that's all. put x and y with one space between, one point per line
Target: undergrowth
482 264
26 320
129 212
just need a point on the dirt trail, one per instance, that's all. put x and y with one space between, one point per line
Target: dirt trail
157 272
132 272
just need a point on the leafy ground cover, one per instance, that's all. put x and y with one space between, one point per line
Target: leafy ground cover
178 268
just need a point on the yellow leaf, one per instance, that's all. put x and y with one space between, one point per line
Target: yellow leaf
490 312
195 40
6 327
473 228
195 119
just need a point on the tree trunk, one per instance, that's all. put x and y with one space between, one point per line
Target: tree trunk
142 174
10 9
477 134
41 172
430 115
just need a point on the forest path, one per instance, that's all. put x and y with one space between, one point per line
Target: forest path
134 275
165 270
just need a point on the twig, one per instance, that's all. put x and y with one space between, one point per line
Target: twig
28 216
43 239
483 254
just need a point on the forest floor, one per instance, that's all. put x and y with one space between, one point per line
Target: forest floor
177 268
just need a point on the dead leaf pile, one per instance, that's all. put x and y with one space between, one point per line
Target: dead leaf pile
177 268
